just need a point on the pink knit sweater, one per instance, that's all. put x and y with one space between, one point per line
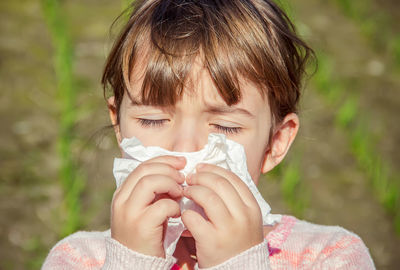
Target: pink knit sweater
293 244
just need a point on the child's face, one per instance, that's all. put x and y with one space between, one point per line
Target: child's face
185 126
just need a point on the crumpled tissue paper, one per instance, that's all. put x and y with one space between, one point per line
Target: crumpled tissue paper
218 151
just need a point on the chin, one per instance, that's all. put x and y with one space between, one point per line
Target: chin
186 233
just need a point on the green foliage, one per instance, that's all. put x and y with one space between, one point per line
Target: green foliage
359 11
35 246
277 171
386 189
125 4
323 79
363 145
396 50
347 112
347 7
71 181
285 5
292 188
375 24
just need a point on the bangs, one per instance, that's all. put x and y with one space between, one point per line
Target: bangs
174 38
234 40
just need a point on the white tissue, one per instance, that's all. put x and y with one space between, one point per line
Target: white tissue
218 151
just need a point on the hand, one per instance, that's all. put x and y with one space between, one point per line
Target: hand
235 220
142 205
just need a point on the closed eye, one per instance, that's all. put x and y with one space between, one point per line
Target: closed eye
227 130
152 122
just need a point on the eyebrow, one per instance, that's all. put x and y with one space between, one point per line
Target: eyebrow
213 109
228 110
137 103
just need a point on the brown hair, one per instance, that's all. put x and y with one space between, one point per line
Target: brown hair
251 39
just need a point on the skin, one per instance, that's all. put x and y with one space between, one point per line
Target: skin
142 205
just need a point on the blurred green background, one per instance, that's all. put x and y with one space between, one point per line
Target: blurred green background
56 153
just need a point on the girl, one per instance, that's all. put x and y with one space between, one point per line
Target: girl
180 70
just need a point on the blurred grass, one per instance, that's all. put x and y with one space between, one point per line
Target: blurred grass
363 145
126 4
376 25
71 180
293 189
395 47
360 12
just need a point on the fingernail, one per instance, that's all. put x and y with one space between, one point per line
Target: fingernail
181 158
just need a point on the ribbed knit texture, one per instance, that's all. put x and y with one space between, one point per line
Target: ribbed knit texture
120 257
253 258
293 244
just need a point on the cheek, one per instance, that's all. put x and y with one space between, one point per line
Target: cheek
256 146
147 136
254 167
255 157
130 128
126 128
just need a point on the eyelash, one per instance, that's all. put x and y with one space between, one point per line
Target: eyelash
151 122
160 122
228 130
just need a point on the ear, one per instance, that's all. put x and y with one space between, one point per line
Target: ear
112 110
280 142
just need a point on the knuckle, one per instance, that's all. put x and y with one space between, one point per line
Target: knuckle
143 183
220 183
165 208
176 207
117 201
164 159
162 205
170 170
141 168
166 204
213 199
157 159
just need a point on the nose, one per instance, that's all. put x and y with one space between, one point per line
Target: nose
188 137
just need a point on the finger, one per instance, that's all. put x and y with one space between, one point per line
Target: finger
144 193
154 166
176 162
223 188
214 207
197 225
171 164
240 186
157 213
